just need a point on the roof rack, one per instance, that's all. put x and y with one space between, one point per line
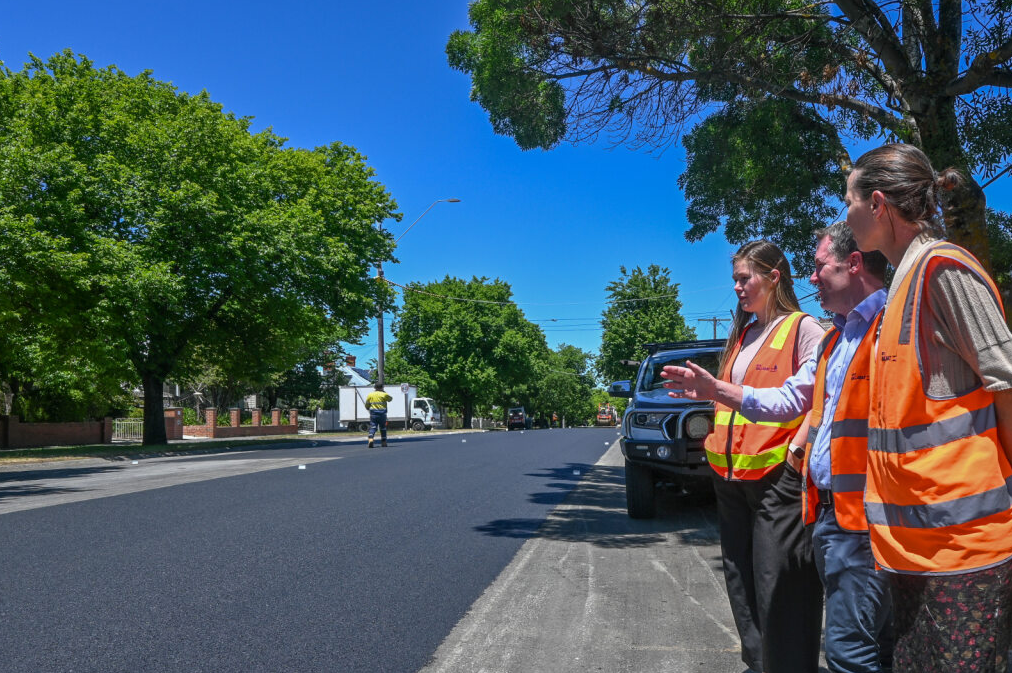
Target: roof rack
672 345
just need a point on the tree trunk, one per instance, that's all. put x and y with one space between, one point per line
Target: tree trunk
154 412
468 412
964 209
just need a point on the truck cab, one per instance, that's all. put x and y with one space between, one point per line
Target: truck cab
425 414
662 437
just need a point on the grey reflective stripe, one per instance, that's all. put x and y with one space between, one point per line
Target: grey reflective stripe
919 437
850 427
908 305
813 432
849 483
942 514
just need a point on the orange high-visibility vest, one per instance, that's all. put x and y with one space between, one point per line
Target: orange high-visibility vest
739 449
938 497
848 443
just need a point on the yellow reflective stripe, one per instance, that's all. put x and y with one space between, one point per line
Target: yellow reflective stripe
785 328
724 418
767 458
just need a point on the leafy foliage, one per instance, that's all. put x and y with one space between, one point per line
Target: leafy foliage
750 170
772 90
644 309
565 386
464 343
184 228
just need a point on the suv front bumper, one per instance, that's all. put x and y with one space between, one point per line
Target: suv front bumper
687 458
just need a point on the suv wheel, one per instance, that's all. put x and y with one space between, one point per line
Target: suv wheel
640 494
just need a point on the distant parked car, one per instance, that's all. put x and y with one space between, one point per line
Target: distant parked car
516 418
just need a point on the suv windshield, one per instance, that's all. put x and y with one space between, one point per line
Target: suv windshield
652 375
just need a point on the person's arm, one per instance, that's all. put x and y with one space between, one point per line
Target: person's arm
756 404
796 449
695 383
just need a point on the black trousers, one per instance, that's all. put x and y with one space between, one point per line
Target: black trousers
769 568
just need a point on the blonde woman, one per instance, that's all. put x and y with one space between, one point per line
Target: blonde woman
772 581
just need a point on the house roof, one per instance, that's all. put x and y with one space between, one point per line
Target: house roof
357 376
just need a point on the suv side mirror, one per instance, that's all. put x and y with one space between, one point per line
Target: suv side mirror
620 389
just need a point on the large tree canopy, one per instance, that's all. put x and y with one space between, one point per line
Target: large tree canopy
783 87
465 343
643 308
183 227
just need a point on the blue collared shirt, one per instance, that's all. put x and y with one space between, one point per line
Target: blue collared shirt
794 398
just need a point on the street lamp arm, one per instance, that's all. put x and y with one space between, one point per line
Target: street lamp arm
423 215
380 360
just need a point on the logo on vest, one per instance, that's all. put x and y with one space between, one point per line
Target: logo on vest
766 368
886 357
859 377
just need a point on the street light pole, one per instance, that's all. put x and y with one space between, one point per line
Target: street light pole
381 359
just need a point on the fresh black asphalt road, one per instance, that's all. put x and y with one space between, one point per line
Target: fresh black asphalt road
362 561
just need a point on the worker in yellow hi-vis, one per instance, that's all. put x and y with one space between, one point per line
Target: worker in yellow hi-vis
376 403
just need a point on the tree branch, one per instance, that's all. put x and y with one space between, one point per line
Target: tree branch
950 23
869 21
913 34
881 115
984 70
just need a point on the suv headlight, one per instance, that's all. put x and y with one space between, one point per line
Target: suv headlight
648 420
697 426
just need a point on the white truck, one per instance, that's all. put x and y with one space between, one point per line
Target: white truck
421 413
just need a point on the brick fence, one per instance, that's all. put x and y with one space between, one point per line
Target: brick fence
212 429
17 435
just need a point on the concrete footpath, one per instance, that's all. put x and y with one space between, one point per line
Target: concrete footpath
597 591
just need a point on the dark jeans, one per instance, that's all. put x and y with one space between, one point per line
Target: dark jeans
772 583
377 419
858 603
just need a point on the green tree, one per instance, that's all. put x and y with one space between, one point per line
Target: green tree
56 364
784 88
566 386
188 230
643 308
465 343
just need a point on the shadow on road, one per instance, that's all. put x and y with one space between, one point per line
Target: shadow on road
61 473
595 512
16 484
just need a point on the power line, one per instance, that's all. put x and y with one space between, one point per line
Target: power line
528 303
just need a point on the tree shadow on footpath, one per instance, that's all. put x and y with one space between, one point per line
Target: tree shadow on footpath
595 512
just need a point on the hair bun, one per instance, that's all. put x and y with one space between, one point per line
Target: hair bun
948 179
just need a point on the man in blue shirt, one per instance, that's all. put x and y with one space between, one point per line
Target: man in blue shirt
852 286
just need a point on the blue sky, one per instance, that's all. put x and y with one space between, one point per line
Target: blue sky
556 225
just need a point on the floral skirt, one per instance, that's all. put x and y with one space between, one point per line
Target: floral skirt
954 623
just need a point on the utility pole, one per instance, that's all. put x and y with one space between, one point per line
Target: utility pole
714 320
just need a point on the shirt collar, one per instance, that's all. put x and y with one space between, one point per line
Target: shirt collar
866 310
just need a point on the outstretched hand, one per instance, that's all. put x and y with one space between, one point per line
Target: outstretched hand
691 382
